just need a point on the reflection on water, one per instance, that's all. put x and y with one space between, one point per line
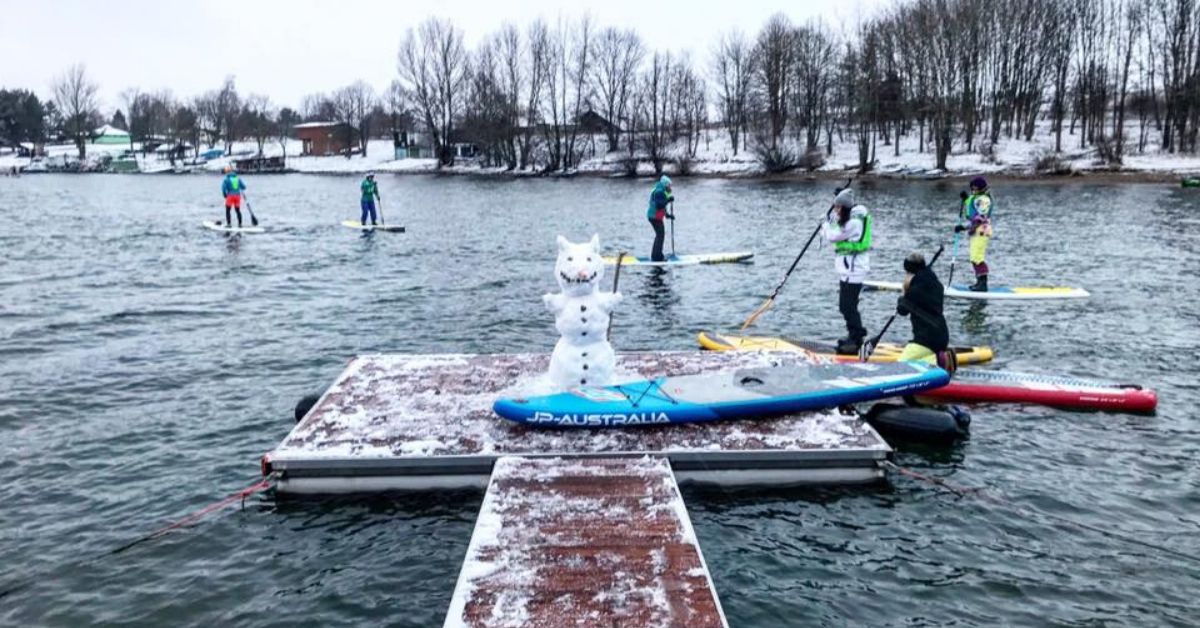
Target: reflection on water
974 321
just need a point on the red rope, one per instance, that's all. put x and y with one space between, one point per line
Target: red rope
241 495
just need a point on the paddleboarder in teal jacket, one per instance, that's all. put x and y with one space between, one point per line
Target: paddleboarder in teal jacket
231 189
370 193
660 199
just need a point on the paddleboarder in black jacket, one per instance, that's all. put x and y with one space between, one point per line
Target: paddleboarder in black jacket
923 297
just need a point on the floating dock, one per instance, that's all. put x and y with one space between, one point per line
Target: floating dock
394 422
584 542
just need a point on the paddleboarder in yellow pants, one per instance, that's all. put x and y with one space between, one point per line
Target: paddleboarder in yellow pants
976 220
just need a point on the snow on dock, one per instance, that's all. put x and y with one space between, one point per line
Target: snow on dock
584 542
425 421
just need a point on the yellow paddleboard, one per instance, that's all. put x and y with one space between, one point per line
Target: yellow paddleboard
885 352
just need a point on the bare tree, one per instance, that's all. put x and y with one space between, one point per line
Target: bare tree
75 97
352 107
256 120
774 54
619 54
732 73
433 67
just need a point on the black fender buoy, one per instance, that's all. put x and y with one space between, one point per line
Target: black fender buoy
936 424
305 404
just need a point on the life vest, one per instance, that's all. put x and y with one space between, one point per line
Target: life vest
861 245
235 185
969 210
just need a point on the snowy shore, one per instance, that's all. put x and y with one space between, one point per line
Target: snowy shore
1015 159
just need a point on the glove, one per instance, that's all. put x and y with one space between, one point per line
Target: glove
671 216
963 195
959 228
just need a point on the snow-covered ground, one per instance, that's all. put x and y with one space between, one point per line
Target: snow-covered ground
714 158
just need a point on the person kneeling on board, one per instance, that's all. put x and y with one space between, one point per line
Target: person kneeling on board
370 193
976 219
660 198
231 189
848 227
922 299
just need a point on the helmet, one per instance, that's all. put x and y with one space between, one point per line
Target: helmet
665 180
979 183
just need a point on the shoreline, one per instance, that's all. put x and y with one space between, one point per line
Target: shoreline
1096 176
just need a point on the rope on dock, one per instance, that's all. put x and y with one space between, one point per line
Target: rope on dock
963 491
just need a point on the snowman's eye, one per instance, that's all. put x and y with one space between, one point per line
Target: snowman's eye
570 259
589 259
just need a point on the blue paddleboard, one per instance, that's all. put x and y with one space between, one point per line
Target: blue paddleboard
743 393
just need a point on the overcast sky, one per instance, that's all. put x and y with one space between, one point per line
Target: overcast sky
288 48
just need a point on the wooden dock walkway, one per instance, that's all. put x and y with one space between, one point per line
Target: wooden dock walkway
584 542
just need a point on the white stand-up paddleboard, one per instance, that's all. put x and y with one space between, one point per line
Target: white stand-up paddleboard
220 226
683 260
354 224
994 292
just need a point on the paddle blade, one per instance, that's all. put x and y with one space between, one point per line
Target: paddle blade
758 312
865 351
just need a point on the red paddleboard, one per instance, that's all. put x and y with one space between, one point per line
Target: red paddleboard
975 386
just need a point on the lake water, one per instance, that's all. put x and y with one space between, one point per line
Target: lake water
147 363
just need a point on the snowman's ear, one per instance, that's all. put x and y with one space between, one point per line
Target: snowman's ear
595 242
562 244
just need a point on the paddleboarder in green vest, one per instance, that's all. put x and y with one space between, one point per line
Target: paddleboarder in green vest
370 194
848 226
976 219
231 189
660 200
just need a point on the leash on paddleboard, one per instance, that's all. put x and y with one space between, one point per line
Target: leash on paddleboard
239 496
868 347
1030 513
766 305
616 281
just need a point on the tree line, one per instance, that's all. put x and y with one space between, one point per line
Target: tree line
1116 76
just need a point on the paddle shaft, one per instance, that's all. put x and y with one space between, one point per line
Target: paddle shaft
672 230
869 348
616 282
954 249
380 208
771 299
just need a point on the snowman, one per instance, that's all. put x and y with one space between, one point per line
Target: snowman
583 356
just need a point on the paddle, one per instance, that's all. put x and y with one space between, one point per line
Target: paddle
253 219
616 280
771 299
380 208
868 347
954 248
672 217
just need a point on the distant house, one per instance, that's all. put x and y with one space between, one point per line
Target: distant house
411 145
325 138
109 134
592 122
